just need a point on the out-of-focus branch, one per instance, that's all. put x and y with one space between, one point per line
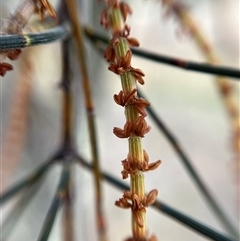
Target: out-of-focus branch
100 41
18 209
89 106
56 203
26 182
224 86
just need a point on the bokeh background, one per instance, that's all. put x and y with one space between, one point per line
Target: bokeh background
188 102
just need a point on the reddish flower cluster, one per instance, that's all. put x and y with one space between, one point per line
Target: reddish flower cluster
122 65
130 99
124 33
139 128
130 166
124 8
4 67
12 55
131 200
42 6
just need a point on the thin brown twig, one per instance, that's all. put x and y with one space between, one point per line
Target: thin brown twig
89 106
67 137
68 213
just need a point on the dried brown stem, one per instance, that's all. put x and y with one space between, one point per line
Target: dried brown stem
89 106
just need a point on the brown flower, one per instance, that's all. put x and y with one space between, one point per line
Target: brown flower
131 99
4 67
150 198
152 166
123 99
42 6
140 104
109 53
122 64
133 42
123 203
138 74
125 132
130 167
125 10
131 200
127 169
104 18
140 127
13 54
120 98
137 204
126 31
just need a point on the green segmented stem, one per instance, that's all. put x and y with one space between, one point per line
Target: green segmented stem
135 145
115 19
122 47
138 187
135 148
131 113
